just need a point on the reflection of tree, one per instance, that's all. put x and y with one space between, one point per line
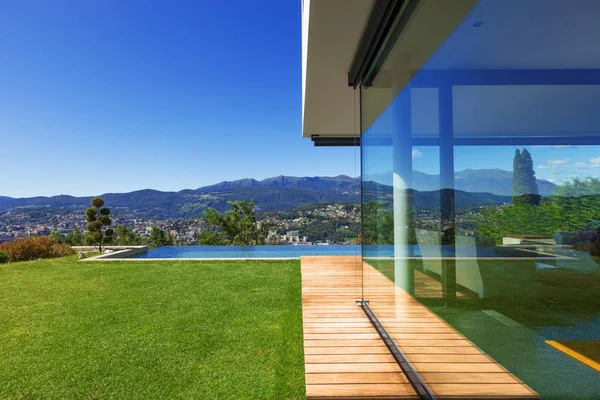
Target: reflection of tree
578 187
524 185
519 219
378 223
573 206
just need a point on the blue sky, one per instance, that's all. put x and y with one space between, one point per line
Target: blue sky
553 163
113 96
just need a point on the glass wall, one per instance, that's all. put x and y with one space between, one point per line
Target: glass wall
481 192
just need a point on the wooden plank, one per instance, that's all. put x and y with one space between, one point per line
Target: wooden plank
347 358
439 350
467 377
353 367
341 336
462 390
347 350
434 342
355 377
457 367
337 325
342 343
313 316
388 390
449 358
336 319
343 329
344 355
417 329
449 335
336 310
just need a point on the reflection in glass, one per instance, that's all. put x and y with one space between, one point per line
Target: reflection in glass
481 192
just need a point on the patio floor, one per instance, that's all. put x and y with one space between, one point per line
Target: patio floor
346 358
344 355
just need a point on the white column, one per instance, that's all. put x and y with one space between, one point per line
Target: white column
402 180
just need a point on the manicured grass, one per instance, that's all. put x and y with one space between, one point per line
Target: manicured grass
151 330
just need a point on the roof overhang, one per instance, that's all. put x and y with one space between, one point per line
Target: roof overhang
331 33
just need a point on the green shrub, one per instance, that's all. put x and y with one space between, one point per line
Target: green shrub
34 248
3 257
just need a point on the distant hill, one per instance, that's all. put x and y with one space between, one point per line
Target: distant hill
337 183
428 199
494 181
272 194
285 192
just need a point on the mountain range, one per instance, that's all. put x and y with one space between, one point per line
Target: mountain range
494 181
488 186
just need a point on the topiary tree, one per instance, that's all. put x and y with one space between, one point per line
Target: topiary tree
98 222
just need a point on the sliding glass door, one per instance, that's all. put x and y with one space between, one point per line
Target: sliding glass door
481 188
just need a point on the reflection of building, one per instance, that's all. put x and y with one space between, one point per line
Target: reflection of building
450 85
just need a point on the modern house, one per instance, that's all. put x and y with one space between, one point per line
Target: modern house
438 95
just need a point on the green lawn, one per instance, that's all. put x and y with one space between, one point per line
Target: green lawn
151 330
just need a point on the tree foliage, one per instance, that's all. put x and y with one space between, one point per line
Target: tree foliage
211 238
524 188
57 237
127 237
573 207
378 224
159 238
98 224
524 185
518 219
74 238
237 226
578 187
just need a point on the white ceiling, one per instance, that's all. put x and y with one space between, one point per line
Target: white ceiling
513 34
525 34
332 30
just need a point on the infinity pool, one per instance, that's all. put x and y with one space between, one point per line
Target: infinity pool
284 251
289 251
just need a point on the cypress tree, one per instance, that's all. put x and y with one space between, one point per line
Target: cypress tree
517 190
524 187
530 183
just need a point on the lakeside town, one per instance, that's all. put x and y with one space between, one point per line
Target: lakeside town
306 225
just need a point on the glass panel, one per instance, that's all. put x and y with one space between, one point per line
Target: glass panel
481 198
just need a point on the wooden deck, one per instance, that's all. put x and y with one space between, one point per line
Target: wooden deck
345 357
